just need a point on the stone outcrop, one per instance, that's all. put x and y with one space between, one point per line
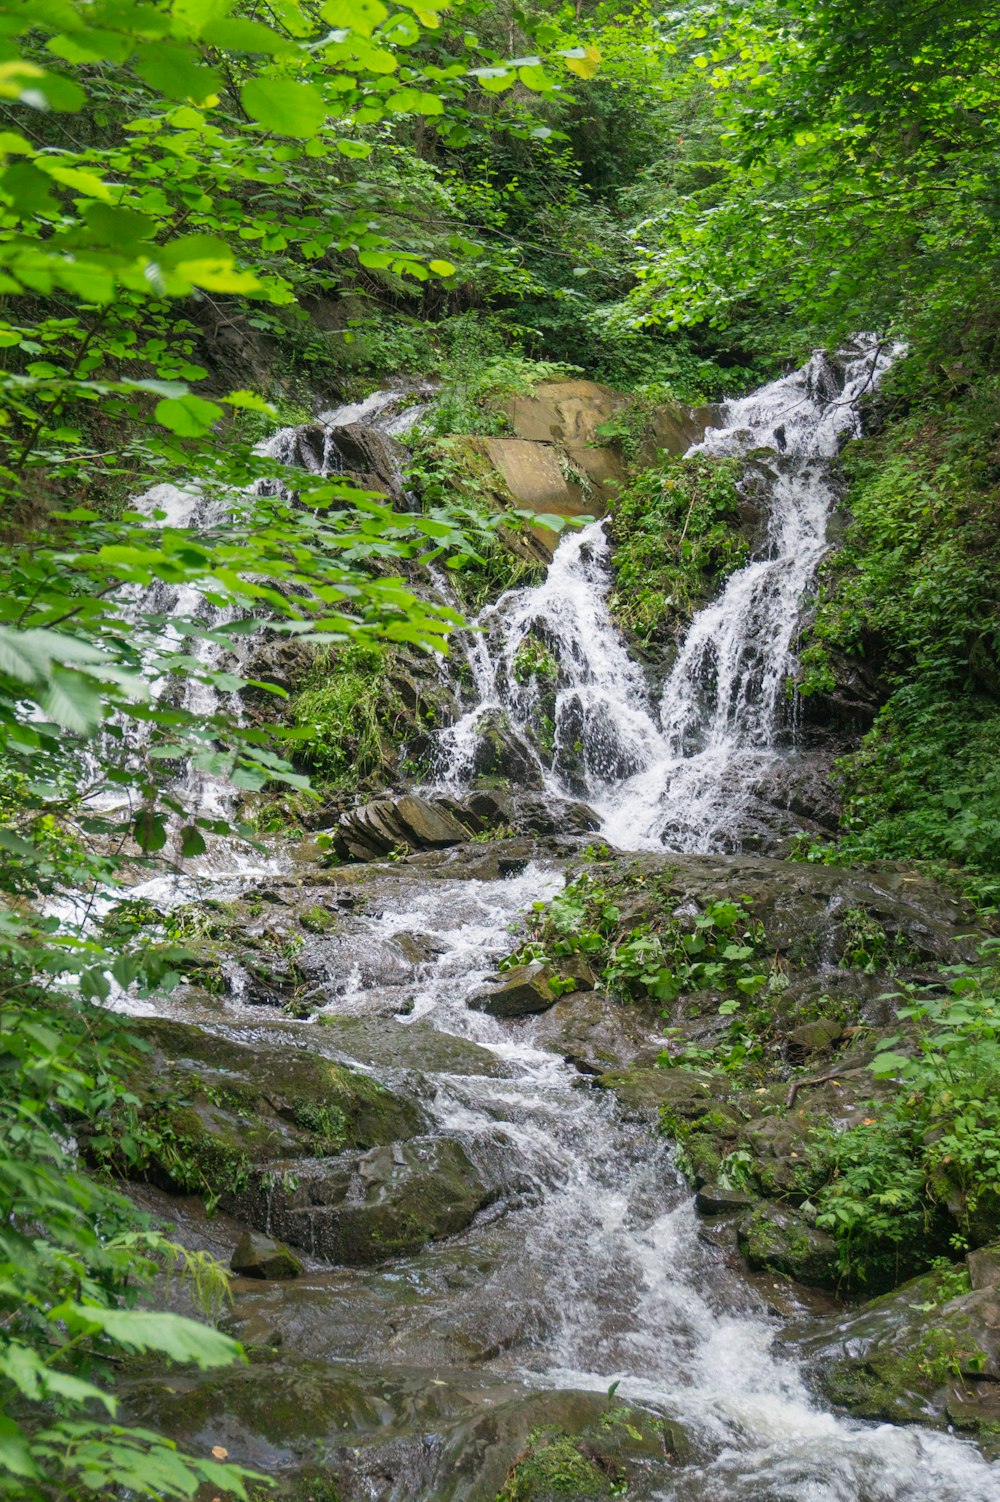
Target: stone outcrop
360 1209
922 1354
561 460
413 822
258 1256
517 992
363 456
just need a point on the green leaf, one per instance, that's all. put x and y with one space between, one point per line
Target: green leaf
284 106
172 1335
72 701
15 1450
149 831
361 16
187 416
237 34
192 841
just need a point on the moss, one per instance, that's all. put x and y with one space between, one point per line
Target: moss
213 1110
351 716
554 1467
678 534
318 920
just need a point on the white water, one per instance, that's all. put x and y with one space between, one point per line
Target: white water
677 770
603 1262
604 1265
156 612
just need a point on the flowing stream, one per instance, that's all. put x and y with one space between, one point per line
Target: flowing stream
592 1269
607 1273
676 769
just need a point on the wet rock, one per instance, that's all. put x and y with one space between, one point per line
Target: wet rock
501 753
680 1091
518 1451
367 458
258 1256
332 1430
601 1460
414 824
374 1042
848 708
802 787
714 1199
595 1034
517 993
428 826
554 816
574 967
780 1239
814 1037
224 1111
984 1266
362 1210
915 1356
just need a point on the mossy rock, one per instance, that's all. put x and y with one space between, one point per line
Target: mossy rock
382 1042
222 1110
921 1354
777 1238
601 1459
680 1092
556 1468
360 1210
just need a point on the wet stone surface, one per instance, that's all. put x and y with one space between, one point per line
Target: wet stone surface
491 1232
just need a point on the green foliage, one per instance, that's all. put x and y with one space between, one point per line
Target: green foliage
926 1167
534 661
676 530
73 1254
849 177
719 948
482 370
915 590
349 713
170 171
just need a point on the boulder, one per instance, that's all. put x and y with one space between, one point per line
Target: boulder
258 1256
594 1033
714 1199
575 968
984 1266
380 1044
517 993
501 753
778 1239
329 1429
361 1209
920 1354
410 822
427 825
224 1112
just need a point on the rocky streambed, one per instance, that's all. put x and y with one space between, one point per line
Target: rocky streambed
497 1281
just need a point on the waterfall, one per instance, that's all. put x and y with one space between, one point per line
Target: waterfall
677 769
358 439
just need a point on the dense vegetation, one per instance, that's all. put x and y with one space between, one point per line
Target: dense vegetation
211 212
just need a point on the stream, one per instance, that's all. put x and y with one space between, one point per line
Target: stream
589 1267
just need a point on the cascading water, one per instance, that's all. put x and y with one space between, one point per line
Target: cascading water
591 1267
597 1272
320 447
676 771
